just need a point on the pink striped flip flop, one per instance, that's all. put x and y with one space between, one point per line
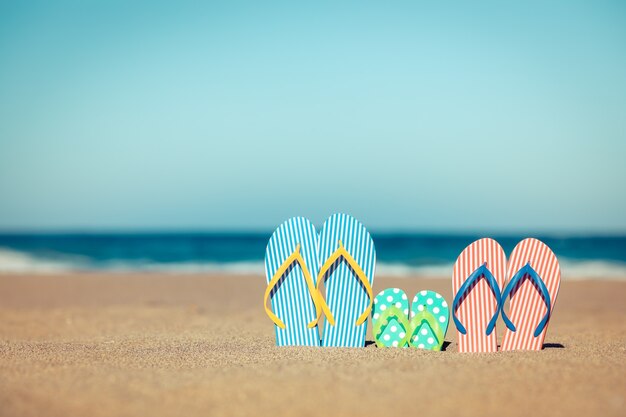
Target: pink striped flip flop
533 286
479 273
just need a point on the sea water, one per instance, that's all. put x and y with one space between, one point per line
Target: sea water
398 254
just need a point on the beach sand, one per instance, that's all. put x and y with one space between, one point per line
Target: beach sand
201 345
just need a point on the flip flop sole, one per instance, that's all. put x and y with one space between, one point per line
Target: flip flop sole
527 306
346 297
393 333
479 304
291 300
431 301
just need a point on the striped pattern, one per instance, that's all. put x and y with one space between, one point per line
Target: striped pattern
290 299
345 295
527 307
479 304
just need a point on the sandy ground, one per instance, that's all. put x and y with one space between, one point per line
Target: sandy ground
122 345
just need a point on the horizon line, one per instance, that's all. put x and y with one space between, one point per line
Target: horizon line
390 231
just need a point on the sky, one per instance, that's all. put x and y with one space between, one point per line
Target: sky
425 116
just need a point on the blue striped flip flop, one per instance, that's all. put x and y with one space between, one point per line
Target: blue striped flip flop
291 268
348 260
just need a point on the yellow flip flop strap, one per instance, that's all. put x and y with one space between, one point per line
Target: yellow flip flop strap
295 257
339 253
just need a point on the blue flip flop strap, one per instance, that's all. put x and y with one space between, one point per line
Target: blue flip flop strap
543 290
493 284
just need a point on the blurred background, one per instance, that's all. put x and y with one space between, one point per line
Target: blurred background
175 136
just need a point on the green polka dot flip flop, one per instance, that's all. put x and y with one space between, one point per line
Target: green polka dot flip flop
390 318
430 316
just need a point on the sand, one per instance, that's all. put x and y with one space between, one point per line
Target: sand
164 345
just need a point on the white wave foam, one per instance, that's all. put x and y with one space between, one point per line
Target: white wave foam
236 268
16 262
403 270
592 269
570 269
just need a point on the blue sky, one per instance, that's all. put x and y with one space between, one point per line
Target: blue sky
409 115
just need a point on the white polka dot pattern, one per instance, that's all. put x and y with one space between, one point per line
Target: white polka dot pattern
393 332
423 336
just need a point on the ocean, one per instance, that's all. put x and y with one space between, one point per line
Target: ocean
241 253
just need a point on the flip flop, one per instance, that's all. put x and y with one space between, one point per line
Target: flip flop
533 289
390 318
430 316
348 260
479 273
291 268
